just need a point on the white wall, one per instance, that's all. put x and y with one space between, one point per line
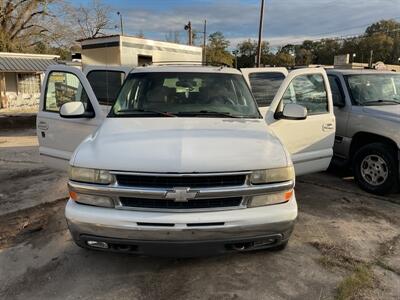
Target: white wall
159 51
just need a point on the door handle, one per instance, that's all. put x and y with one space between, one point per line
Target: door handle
327 126
43 125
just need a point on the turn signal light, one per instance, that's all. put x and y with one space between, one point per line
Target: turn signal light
73 195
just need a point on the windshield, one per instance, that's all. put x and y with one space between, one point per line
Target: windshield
374 89
185 94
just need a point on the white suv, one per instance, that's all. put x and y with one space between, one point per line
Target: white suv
183 163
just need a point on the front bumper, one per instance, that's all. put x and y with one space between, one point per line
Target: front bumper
182 233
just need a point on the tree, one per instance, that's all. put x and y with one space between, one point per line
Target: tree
389 27
303 56
381 45
247 51
325 51
283 59
23 23
217 52
91 20
384 37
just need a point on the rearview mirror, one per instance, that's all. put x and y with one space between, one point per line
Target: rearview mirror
292 111
75 109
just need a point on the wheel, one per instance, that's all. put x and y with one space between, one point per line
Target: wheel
280 247
376 168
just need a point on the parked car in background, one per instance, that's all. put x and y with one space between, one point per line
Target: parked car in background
367 110
184 164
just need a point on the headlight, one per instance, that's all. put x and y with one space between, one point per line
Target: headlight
95 200
272 175
90 175
270 199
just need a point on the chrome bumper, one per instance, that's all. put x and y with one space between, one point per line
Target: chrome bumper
180 226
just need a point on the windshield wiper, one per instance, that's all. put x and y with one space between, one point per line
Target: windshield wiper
208 113
381 102
137 112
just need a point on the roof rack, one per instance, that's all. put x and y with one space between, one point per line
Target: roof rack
187 63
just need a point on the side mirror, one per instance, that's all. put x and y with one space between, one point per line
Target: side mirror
292 111
75 109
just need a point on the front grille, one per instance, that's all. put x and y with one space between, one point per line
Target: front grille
200 181
190 204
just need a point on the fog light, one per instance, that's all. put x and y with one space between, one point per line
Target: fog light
97 244
95 200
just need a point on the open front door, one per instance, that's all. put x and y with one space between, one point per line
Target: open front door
308 140
58 136
264 83
106 81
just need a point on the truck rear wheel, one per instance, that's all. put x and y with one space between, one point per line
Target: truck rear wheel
376 168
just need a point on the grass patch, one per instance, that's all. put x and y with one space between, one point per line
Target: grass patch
335 256
387 248
355 285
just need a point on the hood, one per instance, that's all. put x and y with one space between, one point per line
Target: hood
387 112
181 145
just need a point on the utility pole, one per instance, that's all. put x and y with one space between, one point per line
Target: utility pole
370 58
121 24
205 42
235 52
188 28
260 34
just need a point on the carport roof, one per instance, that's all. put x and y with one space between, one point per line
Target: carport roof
10 62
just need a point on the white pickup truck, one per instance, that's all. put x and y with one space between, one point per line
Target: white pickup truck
183 163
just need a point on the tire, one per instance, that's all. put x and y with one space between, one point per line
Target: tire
376 168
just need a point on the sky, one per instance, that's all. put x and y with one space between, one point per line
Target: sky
286 21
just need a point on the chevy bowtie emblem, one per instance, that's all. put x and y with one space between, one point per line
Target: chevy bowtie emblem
181 194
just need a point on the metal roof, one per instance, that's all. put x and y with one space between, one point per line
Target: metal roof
25 64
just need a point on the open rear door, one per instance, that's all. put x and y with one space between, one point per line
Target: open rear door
58 136
309 141
264 83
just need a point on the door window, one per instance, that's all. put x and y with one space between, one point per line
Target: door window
337 92
265 85
63 87
309 91
106 85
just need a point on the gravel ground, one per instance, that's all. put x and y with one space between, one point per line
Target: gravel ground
346 245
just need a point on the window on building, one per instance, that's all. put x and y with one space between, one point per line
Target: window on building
28 83
144 60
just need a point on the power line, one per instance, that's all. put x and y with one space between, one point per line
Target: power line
349 28
340 38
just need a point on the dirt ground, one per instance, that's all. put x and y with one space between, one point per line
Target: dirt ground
346 245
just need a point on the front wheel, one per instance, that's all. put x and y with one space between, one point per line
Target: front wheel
376 168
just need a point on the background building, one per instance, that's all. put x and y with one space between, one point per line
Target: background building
115 50
21 76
